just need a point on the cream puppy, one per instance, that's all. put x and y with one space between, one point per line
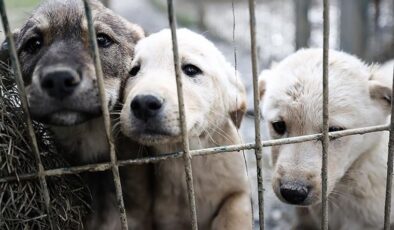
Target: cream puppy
215 104
292 106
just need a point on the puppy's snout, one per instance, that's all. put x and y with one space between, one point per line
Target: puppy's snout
294 192
59 83
146 106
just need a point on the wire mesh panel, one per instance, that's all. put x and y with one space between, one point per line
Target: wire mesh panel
187 154
182 117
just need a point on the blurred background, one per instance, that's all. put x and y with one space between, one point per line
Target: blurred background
361 27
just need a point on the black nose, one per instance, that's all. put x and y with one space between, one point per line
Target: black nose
294 192
146 106
59 83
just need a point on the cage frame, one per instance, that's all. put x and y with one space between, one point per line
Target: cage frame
324 137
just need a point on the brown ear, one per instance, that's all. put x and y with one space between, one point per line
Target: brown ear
234 94
381 93
261 87
4 52
4 49
137 32
264 75
237 115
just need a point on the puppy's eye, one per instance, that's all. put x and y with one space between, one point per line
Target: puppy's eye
191 70
33 45
279 127
134 71
335 129
104 41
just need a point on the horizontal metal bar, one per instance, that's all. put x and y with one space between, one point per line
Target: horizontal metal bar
199 152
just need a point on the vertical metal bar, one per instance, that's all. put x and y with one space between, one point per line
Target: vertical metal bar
257 112
185 140
325 139
106 118
389 182
23 98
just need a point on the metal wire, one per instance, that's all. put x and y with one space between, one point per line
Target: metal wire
389 182
199 152
107 122
257 112
187 154
182 117
25 107
325 138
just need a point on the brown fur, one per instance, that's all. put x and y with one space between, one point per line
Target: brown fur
61 27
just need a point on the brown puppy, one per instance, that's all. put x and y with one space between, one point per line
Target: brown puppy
60 81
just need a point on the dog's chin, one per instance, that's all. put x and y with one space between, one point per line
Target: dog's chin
66 118
155 137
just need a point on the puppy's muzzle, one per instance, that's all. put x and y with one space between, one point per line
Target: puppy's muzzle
59 82
145 107
294 192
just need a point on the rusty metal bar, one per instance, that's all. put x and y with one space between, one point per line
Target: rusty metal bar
389 182
106 118
325 139
187 157
22 93
200 152
257 112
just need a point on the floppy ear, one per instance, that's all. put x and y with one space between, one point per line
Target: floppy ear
4 52
4 49
381 93
5 68
263 77
138 32
236 96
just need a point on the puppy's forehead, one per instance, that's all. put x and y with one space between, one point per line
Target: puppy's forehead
295 87
57 13
67 17
190 45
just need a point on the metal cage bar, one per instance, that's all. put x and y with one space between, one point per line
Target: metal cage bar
199 152
106 118
187 157
325 138
187 154
389 182
257 112
22 93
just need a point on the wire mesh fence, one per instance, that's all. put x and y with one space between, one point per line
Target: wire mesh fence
187 154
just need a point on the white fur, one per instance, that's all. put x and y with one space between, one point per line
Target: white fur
220 181
292 92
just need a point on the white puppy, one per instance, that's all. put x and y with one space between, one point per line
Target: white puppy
386 72
215 104
292 106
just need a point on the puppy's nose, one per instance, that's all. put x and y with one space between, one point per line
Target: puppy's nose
294 192
146 106
59 83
